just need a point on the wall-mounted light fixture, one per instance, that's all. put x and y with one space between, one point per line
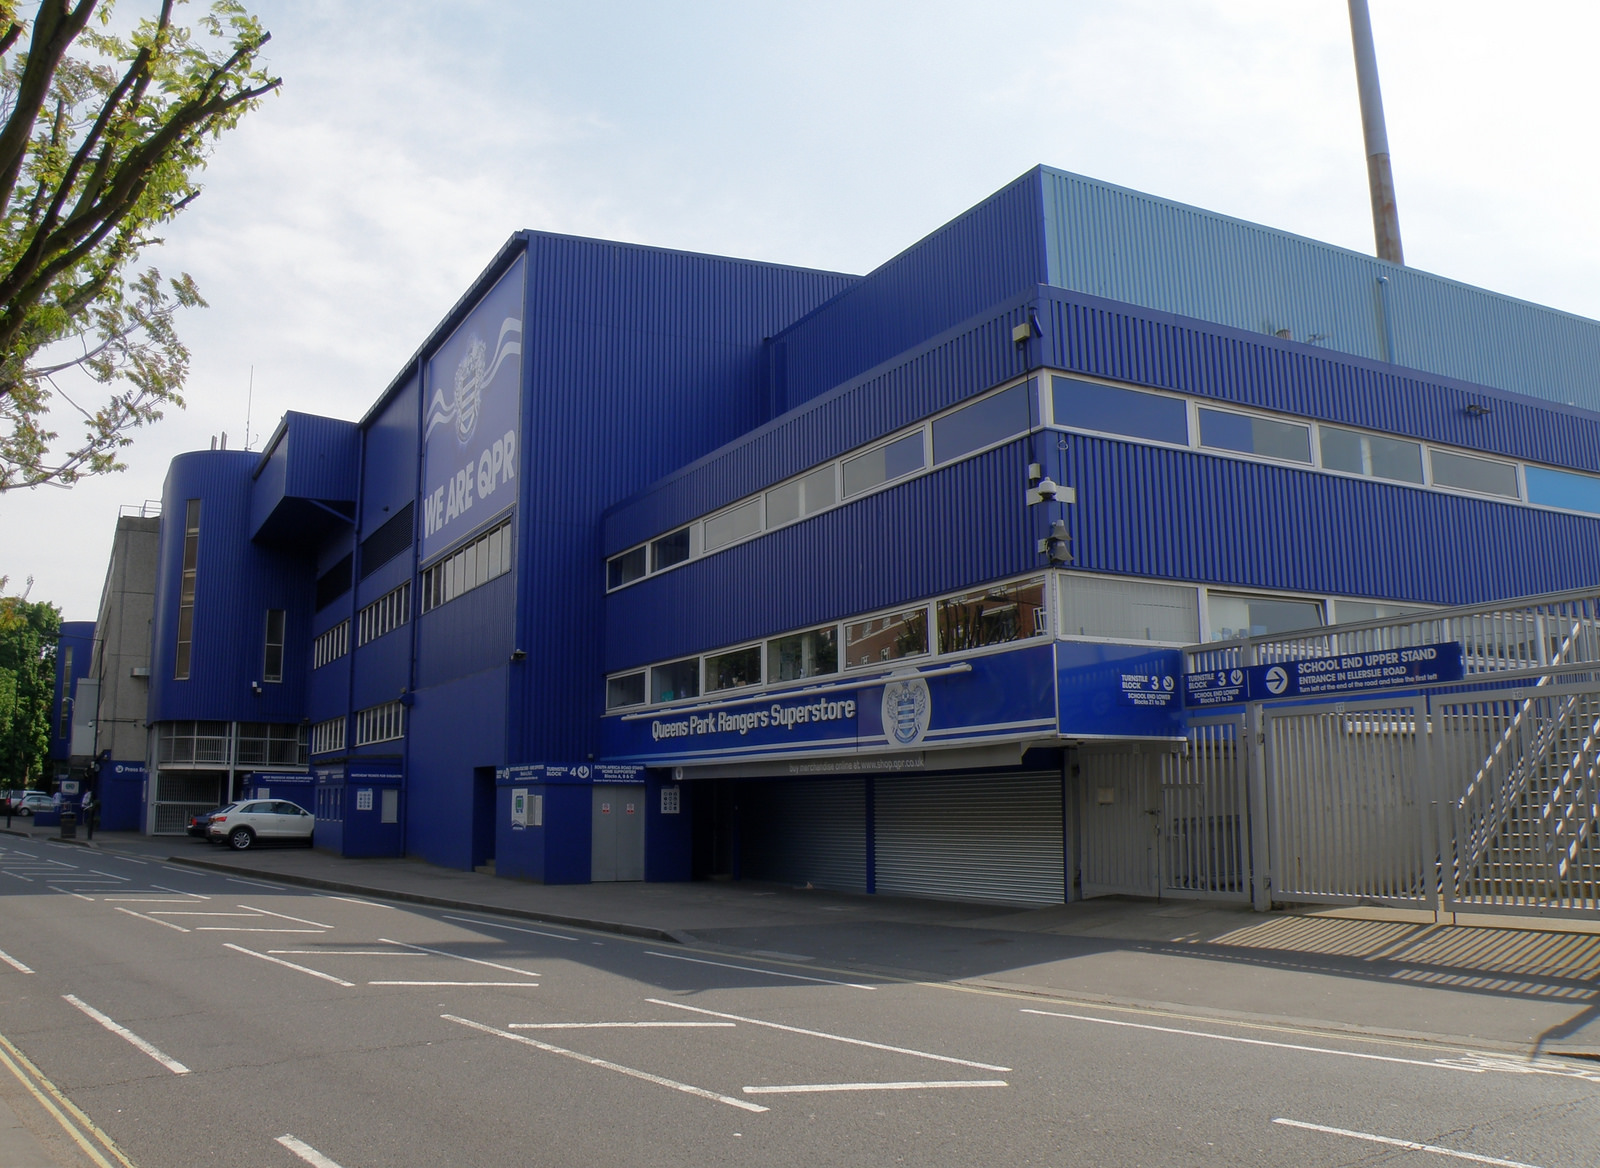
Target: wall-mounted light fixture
1058 544
1477 409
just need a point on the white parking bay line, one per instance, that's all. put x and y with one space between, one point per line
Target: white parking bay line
179 891
152 920
458 957
285 916
1408 1145
340 953
15 876
757 969
306 1152
123 1032
257 883
69 892
815 1088
509 928
108 875
499 984
940 1058
617 1026
645 1076
248 929
289 964
13 962
1438 1065
351 900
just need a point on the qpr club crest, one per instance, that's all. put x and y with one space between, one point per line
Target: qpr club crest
906 709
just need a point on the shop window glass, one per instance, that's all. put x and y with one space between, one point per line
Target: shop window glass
1234 616
903 634
627 690
1224 430
1466 473
983 423
733 524
885 464
993 616
1560 488
809 654
1113 410
669 549
678 679
734 669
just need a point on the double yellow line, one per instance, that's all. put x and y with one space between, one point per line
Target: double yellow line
98 1146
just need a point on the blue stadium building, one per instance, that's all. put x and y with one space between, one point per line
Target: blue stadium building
655 565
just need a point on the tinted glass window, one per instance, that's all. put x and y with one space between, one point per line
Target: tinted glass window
885 638
626 568
821 489
1467 473
1341 450
733 669
625 691
1256 616
884 464
803 655
1270 439
994 616
1119 411
681 679
783 505
1394 459
983 422
733 524
669 550
1559 488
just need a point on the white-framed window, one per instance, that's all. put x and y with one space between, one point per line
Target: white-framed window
385 614
272 653
380 723
331 645
471 566
328 736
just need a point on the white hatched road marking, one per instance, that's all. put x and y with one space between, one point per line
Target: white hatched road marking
15 875
13 962
942 1058
458 957
189 912
289 964
123 1032
617 1026
285 916
511 928
144 900
646 1076
757 969
351 900
256 883
108 875
1438 1065
179 891
247 929
499 984
152 920
1408 1145
340 953
816 1088
306 1152
69 892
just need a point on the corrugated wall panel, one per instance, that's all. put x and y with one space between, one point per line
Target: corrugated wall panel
811 831
957 526
1125 245
984 837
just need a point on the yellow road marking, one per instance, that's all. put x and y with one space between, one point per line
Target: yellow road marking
66 1113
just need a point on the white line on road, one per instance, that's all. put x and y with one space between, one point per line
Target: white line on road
15 876
616 1025
756 969
123 1032
306 1152
144 900
285 916
941 1058
69 892
815 1088
152 920
13 962
184 912
108 875
1439 1065
288 964
178 891
511 928
646 1076
257 883
340 953
351 900
1409 1145
458 957
499 984
179 871
247 929
131 860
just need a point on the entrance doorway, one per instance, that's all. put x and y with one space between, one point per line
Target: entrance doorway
482 816
618 832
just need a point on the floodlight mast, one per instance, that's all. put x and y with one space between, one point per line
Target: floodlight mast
1380 178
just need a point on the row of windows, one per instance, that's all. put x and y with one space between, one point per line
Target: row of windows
385 614
331 645
1081 404
380 723
327 736
979 424
1104 608
976 619
244 743
476 564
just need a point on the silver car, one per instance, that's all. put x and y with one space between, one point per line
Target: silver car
253 821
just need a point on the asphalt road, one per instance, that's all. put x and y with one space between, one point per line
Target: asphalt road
200 1019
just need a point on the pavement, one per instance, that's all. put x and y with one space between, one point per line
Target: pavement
1529 986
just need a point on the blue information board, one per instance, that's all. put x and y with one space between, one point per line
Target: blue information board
1315 676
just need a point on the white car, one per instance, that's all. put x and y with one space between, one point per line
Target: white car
253 821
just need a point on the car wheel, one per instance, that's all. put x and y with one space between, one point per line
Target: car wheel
25 812
241 838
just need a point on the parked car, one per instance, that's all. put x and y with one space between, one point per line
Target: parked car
32 801
249 822
9 798
198 824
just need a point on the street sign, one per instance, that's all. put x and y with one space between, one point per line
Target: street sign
1314 676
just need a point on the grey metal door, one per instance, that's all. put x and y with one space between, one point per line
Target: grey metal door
617 851
805 831
1120 810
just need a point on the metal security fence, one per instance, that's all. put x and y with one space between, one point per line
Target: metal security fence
1204 819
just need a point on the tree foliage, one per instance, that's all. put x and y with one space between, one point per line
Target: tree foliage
29 631
102 142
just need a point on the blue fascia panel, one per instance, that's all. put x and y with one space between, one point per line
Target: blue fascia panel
390 465
451 730
381 669
468 635
310 461
79 637
328 690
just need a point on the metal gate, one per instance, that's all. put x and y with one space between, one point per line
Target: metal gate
182 794
805 831
1119 809
1204 845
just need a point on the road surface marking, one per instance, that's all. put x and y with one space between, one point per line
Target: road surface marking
186 912
285 916
1438 1065
756 969
458 957
68 1115
815 1088
257 883
941 1058
13 962
351 900
178 891
1408 1145
16 876
179 871
616 1025
144 900
152 920
247 929
130 860
69 892
306 1152
499 984
511 928
340 953
108 875
646 1076
288 964
123 1032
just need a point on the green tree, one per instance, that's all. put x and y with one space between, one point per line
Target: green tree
102 142
28 634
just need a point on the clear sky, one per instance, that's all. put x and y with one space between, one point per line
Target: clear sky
351 211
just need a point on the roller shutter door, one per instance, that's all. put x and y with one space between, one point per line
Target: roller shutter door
805 831
996 838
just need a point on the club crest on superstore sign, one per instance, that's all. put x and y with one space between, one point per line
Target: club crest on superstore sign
906 709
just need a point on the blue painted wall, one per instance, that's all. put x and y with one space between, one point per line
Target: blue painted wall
79 637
